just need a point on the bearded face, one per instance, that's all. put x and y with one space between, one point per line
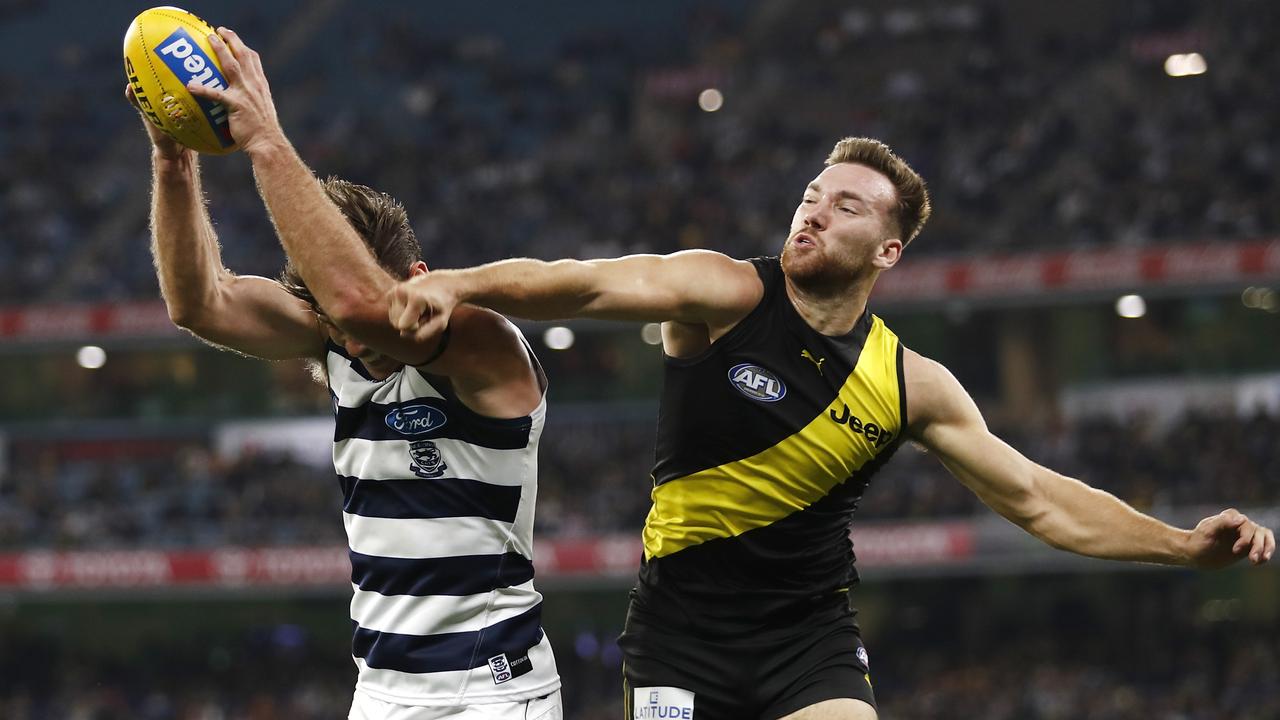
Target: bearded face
839 228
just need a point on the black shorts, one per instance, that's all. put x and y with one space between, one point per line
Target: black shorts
671 673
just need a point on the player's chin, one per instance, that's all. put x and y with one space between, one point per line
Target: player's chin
800 264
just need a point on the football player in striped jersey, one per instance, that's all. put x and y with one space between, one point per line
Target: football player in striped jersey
436 437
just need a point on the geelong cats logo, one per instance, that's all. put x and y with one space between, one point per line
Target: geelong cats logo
427 462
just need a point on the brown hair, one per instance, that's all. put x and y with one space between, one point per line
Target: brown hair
379 219
913 197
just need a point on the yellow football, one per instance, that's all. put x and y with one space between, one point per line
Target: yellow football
164 49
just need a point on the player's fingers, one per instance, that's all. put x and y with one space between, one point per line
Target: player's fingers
401 312
1263 546
415 312
246 55
395 303
226 58
418 331
129 96
407 312
1226 521
217 95
430 328
1245 537
233 40
1256 545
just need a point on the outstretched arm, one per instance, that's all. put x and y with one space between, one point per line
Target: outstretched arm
694 286
252 315
334 261
1059 510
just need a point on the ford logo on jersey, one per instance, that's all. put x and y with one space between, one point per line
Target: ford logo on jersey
188 62
757 383
416 420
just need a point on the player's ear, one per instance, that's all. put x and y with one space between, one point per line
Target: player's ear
889 253
418 268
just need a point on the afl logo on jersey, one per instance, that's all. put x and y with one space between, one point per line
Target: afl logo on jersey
416 420
757 383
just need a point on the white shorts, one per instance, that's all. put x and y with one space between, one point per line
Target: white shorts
547 707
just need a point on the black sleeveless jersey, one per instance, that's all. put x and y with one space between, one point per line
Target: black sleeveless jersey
765 444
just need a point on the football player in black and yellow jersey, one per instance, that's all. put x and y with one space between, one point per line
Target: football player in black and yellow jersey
782 396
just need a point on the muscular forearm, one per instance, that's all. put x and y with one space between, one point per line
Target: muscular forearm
531 289
332 258
183 244
1092 522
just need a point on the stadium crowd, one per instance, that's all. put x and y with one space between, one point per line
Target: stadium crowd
593 479
941 657
1033 134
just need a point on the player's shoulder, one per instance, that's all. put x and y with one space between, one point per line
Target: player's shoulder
491 366
484 326
703 255
482 343
736 285
920 368
933 392
712 261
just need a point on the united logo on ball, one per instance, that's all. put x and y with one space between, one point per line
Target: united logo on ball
165 48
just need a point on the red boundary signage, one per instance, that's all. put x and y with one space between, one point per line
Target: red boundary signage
1203 264
924 280
879 545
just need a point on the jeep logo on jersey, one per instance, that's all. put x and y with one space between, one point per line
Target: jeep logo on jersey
415 420
875 434
757 383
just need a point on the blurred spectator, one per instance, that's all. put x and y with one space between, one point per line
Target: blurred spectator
1164 653
1035 130
594 478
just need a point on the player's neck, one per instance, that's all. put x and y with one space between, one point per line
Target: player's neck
831 311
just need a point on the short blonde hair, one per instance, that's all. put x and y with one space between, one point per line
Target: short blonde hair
913 208
379 219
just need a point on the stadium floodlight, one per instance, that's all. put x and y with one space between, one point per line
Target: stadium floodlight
91 357
1269 300
558 338
710 100
1185 64
1252 297
1131 306
651 333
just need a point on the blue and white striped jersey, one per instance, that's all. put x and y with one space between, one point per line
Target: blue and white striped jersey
438 504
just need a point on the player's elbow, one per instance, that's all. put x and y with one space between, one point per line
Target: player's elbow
194 317
198 310
353 312
183 316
